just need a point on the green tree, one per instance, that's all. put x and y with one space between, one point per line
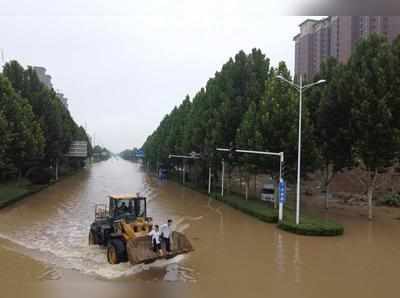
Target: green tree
58 127
25 141
4 143
376 142
331 117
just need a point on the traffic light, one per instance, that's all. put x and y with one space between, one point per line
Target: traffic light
284 170
232 152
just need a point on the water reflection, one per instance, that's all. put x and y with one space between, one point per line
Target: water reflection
235 255
296 260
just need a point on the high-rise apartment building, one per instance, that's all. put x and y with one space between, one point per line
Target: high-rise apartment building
42 76
46 80
336 36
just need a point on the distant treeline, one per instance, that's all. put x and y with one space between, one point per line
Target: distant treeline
352 120
129 154
36 129
101 153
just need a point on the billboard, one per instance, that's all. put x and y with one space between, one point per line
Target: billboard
78 149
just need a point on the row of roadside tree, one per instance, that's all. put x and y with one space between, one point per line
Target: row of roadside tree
351 121
36 130
129 154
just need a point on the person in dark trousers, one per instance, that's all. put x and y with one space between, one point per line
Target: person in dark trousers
166 232
155 240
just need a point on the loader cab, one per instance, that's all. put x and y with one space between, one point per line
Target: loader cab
128 207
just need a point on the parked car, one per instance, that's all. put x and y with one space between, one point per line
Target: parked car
268 192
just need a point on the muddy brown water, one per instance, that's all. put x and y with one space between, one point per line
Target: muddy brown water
44 251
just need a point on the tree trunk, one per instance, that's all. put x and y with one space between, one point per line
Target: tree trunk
255 183
229 178
240 180
19 176
370 196
246 192
371 189
326 195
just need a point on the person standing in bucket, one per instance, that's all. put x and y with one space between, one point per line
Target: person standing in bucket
166 232
155 240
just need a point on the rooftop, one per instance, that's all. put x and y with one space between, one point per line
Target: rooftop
308 20
124 197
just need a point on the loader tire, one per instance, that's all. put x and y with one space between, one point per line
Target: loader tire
116 251
92 238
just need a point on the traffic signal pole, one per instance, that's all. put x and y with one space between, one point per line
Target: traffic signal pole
281 161
192 155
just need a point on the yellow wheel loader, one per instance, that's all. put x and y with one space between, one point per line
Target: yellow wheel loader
123 229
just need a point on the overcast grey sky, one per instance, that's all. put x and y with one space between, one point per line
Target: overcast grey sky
125 64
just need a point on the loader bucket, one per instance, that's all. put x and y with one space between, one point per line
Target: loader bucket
140 250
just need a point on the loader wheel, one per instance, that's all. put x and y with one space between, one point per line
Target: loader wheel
116 252
92 238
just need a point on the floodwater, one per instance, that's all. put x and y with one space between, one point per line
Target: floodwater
44 251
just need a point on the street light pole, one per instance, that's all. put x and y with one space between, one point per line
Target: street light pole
223 177
299 155
299 88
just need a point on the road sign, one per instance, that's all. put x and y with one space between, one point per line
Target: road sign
78 149
282 191
140 153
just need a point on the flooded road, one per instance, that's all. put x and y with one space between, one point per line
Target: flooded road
44 251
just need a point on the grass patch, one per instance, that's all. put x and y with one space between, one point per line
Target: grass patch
13 191
255 208
310 226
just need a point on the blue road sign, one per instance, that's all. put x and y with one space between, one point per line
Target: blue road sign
140 153
282 191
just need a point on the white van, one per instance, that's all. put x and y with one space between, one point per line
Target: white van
268 192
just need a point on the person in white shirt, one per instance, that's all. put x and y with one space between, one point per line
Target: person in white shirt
166 232
155 239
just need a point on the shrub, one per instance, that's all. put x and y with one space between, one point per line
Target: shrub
39 175
311 226
392 199
254 208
